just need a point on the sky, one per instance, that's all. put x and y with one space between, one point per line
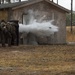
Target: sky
66 3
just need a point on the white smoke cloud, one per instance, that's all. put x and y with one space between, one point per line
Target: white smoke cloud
42 28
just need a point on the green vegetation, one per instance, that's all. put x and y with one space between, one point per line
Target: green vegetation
68 19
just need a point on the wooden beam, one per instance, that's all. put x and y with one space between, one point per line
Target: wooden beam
57 1
19 0
71 15
0 1
8 1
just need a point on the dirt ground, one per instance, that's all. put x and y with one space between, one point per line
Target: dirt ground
70 36
38 60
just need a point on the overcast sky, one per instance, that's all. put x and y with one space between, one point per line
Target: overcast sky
66 3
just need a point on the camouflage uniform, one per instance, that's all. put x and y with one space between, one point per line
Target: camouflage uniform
15 25
0 32
6 33
9 33
3 32
12 30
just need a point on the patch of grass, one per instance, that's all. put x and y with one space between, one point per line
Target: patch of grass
36 60
70 36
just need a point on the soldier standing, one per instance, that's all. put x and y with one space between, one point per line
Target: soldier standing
3 32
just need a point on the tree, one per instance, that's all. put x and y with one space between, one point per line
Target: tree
2 1
8 1
68 19
19 0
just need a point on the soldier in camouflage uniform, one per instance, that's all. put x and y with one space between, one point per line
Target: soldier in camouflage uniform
13 32
7 32
0 32
15 37
9 35
3 32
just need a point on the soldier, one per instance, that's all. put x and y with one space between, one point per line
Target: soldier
6 33
15 24
12 30
9 33
0 31
3 32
